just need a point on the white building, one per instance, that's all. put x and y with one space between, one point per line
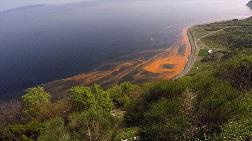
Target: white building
210 51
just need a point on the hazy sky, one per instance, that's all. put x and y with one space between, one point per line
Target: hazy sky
8 4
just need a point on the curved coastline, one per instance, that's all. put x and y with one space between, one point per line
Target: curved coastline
192 57
195 48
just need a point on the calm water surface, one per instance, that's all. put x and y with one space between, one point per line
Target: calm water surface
42 43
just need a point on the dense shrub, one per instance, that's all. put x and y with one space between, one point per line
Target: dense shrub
26 132
59 108
34 101
151 94
102 97
215 103
164 121
93 124
54 130
238 71
127 133
239 128
121 94
35 96
82 98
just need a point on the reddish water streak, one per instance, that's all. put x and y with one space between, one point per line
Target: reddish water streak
172 58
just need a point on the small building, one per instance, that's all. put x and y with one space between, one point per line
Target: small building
210 51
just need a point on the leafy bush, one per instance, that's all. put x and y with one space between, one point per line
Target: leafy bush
158 111
33 99
215 103
164 121
163 89
120 94
93 124
35 96
82 98
54 130
102 97
26 132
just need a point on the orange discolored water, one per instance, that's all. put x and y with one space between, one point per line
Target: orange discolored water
175 59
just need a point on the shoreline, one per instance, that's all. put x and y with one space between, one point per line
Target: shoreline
192 57
194 47
126 70
131 70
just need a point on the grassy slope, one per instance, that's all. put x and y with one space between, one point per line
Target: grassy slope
221 37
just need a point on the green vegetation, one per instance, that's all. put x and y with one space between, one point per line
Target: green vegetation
203 52
214 102
85 114
35 96
127 133
93 124
123 94
54 130
34 99
233 37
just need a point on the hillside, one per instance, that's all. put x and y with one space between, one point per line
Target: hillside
250 4
213 102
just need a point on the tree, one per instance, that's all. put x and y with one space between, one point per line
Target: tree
102 97
35 96
104 101
34 99
82 98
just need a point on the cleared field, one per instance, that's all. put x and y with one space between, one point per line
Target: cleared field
203 52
